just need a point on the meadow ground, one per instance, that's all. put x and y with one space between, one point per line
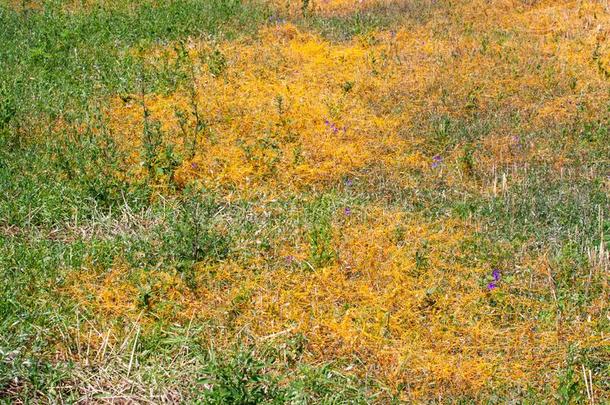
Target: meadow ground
313 201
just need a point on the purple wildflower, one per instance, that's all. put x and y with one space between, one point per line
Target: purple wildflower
436 161
331 125
194 166
348 182
348 211
496 274
276 19
491 286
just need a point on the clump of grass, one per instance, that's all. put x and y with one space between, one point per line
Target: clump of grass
195 238
242 378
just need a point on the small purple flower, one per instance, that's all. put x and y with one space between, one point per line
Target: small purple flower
194 166
332 126
348 182
347 211
436 161
491 286
517 141
276 19
496 275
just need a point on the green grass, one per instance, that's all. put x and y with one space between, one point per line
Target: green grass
362 22
54 222
56 62
62 210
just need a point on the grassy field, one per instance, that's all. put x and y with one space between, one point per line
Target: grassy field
305 201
